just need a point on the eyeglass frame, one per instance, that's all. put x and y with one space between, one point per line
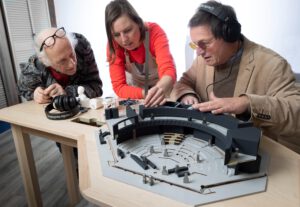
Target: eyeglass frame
202 44
54 36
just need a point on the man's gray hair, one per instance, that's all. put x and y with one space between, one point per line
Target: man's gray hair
42 55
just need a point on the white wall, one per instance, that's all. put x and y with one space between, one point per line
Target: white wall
272 23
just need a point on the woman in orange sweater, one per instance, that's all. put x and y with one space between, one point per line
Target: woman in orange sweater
130 42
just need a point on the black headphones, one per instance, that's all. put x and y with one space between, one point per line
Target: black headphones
231 29
67 105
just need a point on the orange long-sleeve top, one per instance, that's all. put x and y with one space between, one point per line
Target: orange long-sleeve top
159 49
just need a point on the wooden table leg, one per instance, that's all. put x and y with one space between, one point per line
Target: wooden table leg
71 175
27 166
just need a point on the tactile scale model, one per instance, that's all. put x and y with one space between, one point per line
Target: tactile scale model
181 153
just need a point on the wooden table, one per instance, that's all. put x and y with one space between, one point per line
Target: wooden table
283 188
29 118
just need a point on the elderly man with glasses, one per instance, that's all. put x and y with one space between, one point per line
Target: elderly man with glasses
234 75
63 61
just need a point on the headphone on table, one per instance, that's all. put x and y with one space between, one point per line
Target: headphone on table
67 105
231 29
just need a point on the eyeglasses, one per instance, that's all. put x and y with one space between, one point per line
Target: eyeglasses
202 44
49 41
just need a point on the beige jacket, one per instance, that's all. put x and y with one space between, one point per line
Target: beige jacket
267 79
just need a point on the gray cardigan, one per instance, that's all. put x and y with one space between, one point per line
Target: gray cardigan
35 73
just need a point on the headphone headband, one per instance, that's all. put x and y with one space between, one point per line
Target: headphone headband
61 115
231 28
216 11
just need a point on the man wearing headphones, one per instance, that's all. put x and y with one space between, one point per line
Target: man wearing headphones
233 75
63 61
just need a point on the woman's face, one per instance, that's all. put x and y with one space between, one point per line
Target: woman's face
126 33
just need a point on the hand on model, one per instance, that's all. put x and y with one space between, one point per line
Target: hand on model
189 100
155 97
234 105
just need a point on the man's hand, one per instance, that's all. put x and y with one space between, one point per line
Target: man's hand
235 105
54 90
189 100
155 97
40 97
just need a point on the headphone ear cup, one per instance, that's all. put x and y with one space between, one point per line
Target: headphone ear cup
65 103
73 102
225 31
56 103
236 30
70 103
60 103
231 31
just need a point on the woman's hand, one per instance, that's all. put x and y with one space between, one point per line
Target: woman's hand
155 97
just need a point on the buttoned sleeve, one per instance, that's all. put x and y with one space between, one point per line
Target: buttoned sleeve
277 111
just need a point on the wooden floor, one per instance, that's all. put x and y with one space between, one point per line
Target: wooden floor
50 171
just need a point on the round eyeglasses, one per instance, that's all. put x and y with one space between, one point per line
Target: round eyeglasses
50 41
